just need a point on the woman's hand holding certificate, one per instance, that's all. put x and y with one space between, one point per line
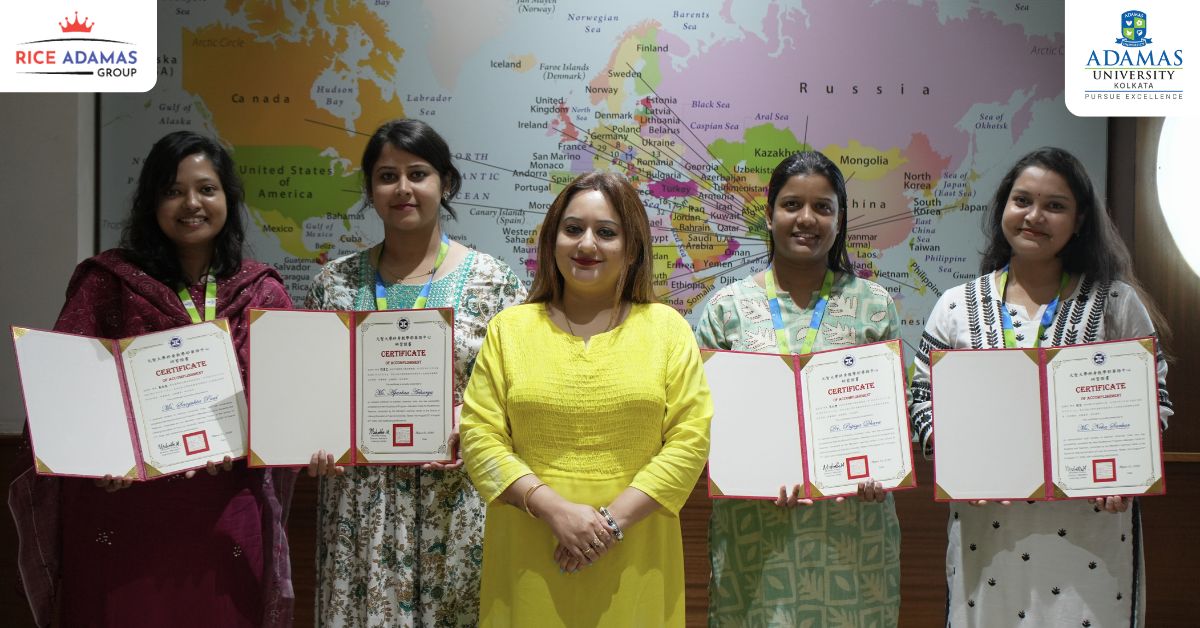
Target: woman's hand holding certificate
1079 421
830 424
373 387
139 408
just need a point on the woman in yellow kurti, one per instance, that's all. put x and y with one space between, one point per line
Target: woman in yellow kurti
585 428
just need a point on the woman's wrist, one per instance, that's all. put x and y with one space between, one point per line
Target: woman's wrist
614 524
542 502
525 499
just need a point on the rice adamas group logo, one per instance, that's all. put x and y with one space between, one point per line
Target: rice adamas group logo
1133 74
78 56
96 47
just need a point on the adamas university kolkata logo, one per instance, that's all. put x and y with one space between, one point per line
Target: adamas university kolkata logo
1131 74
1133 30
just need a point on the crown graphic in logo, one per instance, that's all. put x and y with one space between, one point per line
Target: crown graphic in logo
76 26
1133 30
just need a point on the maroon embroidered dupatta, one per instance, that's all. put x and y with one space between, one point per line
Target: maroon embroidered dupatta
211 550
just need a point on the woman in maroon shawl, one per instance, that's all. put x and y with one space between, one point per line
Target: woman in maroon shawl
208 550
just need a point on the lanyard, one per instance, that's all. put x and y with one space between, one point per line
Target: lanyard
810 337
1010 337
422 298
210 300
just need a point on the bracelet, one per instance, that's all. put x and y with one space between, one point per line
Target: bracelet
612 524
525 500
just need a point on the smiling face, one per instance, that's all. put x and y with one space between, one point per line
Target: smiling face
406 190
804 220
590 245
1041 214
191 211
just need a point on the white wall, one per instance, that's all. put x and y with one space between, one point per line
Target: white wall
47 209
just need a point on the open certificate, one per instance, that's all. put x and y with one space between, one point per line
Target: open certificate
1055 423
368 387
140 407
825 420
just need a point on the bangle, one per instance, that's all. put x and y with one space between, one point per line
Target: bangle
612 524
525 500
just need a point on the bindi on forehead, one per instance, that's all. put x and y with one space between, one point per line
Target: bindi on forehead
1040 193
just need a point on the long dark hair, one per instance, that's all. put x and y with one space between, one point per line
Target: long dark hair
809 163
144 242
634 285
1096 249
416 137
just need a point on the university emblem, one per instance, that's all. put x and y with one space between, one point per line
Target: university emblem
1133 30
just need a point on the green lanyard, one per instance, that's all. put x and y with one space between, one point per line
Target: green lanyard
422 298
210 300
1010 336
814 324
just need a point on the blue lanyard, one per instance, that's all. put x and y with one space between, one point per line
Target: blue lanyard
1010 336
422 298
814 324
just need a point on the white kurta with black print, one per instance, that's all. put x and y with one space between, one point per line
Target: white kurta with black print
1038 564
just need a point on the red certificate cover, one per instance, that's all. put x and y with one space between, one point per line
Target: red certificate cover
1073 422
373 387
824 420
140 407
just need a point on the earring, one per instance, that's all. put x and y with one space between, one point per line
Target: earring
445 196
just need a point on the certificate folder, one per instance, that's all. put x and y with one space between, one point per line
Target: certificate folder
1073 422
140 407
825 420
373 387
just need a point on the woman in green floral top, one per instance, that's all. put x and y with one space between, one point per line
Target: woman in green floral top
829 563
402 546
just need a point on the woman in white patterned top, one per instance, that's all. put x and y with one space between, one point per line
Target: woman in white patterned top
1057 269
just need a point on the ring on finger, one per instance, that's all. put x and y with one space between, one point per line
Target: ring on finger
588 550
